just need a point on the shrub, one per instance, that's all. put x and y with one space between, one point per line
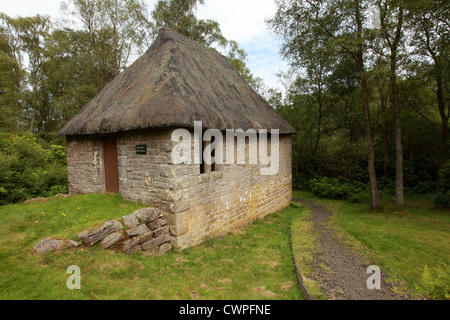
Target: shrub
57 154
441 201
295 204
339 188
28 170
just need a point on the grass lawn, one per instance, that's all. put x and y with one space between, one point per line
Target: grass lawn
304 244
414 242
255 262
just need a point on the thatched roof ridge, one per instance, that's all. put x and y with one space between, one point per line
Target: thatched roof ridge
176 82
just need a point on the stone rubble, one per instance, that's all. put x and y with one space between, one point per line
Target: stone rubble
49 244
144 230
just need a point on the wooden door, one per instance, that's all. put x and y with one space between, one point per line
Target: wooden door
111 164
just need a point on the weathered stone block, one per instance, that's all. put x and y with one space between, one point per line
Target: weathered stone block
160 240
139 230
145 215
160 184
166 146
157 224
128 244
174 195
165 247
90 237
180 183
134 249
216 175
148 181
177 231
168 172
131 220
159 232
171 218
122 161
143 238
111 240
180 206
149 245
49 244
203 178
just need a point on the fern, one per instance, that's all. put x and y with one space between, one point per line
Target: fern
435 282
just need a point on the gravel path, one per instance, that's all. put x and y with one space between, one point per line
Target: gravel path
344 276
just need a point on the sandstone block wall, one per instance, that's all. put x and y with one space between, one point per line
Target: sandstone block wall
215 203
145 178
196 206
85 165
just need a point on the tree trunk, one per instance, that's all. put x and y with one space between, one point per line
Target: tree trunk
33 116
397 110
383 103
444 134
319 125
358 57
374 195
399 201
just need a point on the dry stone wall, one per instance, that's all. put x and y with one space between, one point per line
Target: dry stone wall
144 230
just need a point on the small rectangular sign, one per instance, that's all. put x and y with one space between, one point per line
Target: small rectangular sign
141 149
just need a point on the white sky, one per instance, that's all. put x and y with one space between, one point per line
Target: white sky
240 20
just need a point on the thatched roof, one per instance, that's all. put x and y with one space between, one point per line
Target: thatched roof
176 82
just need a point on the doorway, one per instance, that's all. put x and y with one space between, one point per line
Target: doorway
111 164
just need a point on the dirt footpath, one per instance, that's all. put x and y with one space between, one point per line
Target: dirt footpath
341 272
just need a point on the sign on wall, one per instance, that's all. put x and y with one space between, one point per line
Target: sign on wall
141 149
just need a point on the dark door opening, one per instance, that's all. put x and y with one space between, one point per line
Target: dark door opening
111 164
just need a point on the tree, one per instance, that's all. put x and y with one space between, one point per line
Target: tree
429 20
340 24
238 58
30 35
392 20
73 77
113 31
180 16
11 77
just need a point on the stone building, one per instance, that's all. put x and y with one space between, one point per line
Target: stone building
121 141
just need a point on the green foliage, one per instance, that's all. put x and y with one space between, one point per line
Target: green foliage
441 200
435 282
444 172
339 188
327 44
58 154
180 16
10 77
27 170
295 204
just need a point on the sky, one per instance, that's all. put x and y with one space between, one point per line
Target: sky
240 20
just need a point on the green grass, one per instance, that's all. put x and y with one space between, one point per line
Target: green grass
414 242
255 262
304 244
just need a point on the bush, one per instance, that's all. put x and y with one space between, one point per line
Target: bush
339 188
58 154
441 201
27 170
